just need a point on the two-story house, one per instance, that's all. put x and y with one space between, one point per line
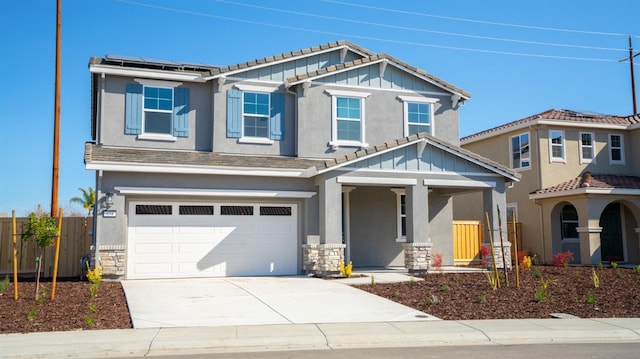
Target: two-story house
283 165
580 185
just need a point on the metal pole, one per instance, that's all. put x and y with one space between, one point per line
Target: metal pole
633 78
56 116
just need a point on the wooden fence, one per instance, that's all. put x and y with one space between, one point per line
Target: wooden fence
74 242
469 235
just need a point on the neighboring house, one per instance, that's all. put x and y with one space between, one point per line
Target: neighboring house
580 186
278 166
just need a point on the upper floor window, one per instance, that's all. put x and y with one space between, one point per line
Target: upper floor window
520 156
418 114
616 154
156 110
255 115
569 222
348 118
587 147
556 144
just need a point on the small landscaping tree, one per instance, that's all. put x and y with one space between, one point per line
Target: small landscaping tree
43 229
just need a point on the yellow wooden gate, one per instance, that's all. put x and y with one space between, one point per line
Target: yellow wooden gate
467 237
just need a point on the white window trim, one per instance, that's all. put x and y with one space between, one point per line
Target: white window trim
254 139
335 143
551 145
256 88
405 105
513 205
621 161
511 153
399 193
157 83
593 148
152 135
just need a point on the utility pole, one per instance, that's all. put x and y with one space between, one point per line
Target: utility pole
56 116
633 80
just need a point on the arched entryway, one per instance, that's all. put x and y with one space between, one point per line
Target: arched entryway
611 237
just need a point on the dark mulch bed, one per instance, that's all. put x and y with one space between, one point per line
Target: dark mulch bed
462 296
69 311
446 296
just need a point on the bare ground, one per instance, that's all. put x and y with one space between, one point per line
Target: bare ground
451 296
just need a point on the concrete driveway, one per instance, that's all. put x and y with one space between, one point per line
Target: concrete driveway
255 301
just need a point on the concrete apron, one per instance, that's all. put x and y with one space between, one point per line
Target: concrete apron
197 302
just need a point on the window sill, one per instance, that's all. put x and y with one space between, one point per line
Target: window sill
401 240
157 137
337 144
256 140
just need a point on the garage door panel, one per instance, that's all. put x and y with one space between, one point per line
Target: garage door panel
165 246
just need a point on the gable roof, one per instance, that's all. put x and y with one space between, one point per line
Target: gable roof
348 159
600 183
374 59
558 117
269 60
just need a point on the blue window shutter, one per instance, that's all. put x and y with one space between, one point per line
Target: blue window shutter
276 121
133 109
234 113
181 112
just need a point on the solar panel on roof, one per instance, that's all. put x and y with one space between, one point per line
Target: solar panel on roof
149 60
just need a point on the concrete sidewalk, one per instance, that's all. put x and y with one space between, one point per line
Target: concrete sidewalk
281 337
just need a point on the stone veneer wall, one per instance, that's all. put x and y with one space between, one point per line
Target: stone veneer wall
497 253
417 256
112 260
322 259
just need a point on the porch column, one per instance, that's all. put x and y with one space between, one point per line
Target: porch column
493 199
330 251
590 251
346 226
417 249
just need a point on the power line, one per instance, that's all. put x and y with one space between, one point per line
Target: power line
420 30
481 21
343 35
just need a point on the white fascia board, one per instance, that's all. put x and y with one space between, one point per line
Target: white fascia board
473 160
458 183
146 73
276 62
526 125
237 171
588 190
446 174
205 192
361 88
382 181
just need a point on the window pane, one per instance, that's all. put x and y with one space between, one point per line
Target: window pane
586 139
156 98
413 129
569 213
196 210
587 152
616 155
348 107
236 210
256 126
556 137
556 152
144 209
615 141
256 103
157 122
349 130
418 113
515 151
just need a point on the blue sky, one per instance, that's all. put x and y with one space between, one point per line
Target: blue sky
516 58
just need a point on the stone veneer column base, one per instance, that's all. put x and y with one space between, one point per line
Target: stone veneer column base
417 257
497 253
322 260
112 260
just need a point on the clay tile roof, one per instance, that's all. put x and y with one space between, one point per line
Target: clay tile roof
561 115
603 181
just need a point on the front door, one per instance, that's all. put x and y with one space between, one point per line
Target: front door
611 236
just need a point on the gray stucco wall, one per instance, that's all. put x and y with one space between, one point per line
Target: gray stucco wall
373 228
384 120
112 123
441 226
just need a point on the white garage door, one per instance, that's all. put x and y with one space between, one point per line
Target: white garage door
176 240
